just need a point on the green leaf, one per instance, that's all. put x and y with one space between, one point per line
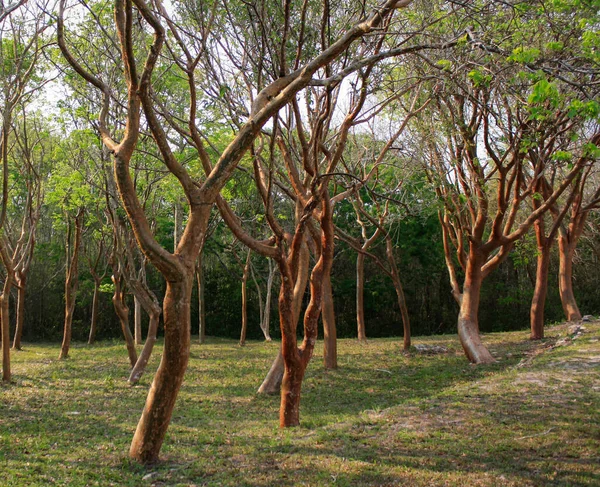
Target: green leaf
445 64
524 55
479 78
562 156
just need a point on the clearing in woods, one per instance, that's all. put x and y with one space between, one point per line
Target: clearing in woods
382 419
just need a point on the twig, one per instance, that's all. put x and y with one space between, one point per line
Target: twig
534 436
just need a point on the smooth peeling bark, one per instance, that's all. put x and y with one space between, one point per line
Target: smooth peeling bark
159 406
360 300
153 424
291 387
94 320
566 251
468 323
538 303
293 366
295 363
329 330
21 281
293 372
272 382
150 304
296 359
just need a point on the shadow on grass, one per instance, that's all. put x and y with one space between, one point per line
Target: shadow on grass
78 416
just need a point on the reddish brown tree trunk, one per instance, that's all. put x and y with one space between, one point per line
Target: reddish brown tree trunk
272 382
360 301
538 303
296 358
540 293
329 330
155 419
21 281
291 386
291 379
468 323
566 251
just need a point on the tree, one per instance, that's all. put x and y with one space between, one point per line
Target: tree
20 49
178 267
568 237
31 152
73 247
557 142
481 87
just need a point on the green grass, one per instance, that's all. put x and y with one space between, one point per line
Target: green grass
382 419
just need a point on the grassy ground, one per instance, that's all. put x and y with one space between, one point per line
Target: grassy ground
382 419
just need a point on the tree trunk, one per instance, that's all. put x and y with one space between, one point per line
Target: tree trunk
272 382
329 330
123 314
71 283
399 292
291 385
95 304
296 359
245 301
146 353
70 290
403 312
21 281
137 321
468 324
266 322
175 225
201 304
538 303
5 323
155 419
566 251
360 291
